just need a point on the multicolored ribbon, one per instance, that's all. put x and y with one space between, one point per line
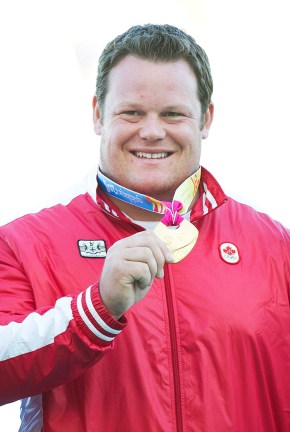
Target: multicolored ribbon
172 211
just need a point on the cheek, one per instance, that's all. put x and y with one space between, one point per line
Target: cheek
116 137
111 151
186 135
192 152
192 149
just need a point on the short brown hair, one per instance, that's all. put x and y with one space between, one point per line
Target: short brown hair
158 43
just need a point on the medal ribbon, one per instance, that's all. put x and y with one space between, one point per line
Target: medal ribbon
172 211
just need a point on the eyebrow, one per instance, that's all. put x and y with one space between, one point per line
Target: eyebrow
176 107
137 105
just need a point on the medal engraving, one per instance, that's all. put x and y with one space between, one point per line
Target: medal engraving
179 240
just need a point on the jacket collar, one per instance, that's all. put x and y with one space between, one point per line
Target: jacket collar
211 196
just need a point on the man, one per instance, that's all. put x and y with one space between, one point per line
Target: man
159 304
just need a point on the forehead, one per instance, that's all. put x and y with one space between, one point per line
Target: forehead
133 75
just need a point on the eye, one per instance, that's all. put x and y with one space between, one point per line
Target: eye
172 114
131 113
131 116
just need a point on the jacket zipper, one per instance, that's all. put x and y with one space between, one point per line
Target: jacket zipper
174 352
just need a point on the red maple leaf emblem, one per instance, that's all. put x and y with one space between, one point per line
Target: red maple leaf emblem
229 251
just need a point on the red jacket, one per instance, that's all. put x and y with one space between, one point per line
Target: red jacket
208 349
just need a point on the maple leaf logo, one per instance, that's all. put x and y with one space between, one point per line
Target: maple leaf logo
229 251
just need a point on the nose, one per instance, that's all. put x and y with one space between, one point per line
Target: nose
152 129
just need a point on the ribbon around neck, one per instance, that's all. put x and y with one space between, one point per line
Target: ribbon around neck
172 211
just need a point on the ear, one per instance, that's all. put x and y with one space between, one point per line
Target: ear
208 118
96 117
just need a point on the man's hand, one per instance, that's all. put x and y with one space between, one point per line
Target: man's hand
130 268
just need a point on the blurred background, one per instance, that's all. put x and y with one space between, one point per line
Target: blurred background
49 53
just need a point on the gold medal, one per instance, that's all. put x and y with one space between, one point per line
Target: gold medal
179 240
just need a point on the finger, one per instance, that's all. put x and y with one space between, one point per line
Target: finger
158 249
142 277
143 255
150 240
149 236
168 257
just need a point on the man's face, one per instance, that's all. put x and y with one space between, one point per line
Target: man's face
151 127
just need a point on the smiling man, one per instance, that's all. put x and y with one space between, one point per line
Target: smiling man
157 303
151 125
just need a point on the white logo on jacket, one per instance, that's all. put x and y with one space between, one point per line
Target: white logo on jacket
229 253
92 248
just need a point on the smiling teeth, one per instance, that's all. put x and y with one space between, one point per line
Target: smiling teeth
151 155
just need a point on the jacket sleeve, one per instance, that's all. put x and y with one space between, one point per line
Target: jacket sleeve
41 349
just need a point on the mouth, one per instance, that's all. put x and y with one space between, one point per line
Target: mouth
161 155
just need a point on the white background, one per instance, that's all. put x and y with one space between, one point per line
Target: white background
49 52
